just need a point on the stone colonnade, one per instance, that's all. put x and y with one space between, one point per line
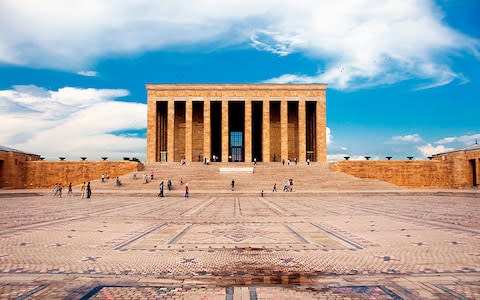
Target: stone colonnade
236 122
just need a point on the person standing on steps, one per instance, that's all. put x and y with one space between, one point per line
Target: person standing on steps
233 184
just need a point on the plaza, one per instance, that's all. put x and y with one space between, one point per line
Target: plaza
372 240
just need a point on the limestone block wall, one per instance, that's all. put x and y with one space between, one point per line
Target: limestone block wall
12 168
410 173
44 174
461 168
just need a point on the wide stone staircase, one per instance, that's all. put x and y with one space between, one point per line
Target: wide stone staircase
202 178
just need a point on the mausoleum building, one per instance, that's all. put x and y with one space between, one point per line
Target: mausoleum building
236 122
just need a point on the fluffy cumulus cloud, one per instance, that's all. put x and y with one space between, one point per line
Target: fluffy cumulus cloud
409 138
71 122
357 43
429 149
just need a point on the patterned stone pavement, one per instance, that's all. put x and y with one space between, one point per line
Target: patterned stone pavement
364 245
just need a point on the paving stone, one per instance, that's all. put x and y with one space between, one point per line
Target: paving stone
384 245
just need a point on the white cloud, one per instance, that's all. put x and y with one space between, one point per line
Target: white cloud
71 122
410 138
328 135
336 157
358 43
429 150
465 139
88 73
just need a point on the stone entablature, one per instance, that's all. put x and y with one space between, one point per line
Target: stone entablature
274 122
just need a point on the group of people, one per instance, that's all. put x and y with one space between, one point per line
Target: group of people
146 178
86 190
287 186
57 190
105 177
170 187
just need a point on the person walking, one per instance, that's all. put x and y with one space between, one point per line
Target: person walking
83 189
70 191
186 190
55 190
89 190
274 187
233 184
161 190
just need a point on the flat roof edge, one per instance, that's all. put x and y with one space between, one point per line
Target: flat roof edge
231 86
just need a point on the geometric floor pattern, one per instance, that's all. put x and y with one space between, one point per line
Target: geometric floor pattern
332 245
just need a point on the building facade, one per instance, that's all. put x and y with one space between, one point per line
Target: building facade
236 122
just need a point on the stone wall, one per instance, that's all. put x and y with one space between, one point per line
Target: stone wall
42 174
12 168
410 173
461 168
448 170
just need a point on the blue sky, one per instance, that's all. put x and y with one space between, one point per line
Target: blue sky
403 75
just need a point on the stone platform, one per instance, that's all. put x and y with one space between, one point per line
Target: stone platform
321 245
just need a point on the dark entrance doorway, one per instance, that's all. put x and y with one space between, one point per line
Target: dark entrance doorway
473 171
162 119
236 129
216 130
311 130
257 123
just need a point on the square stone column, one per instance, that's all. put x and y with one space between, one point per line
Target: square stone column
170 131
206 129
284 129
248 130
151 130
188 130
266 131
224 130
321 129
302 142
